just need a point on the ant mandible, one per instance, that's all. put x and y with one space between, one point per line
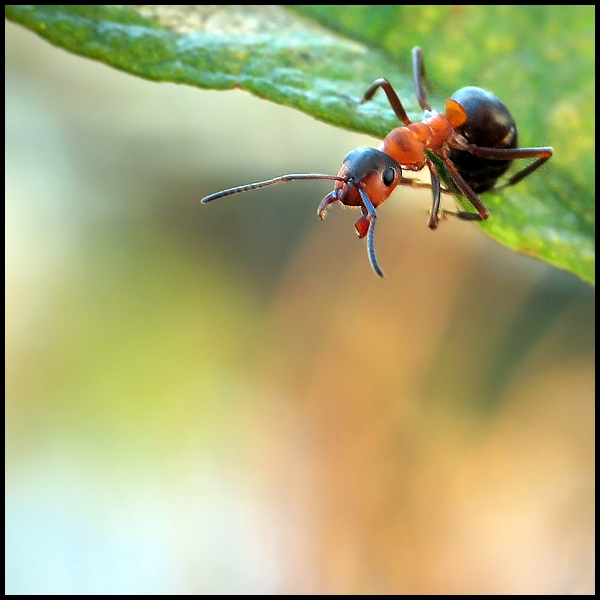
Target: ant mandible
475 139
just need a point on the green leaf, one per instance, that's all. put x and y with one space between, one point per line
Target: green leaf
538 59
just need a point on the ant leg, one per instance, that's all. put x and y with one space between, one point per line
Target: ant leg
536 164
420 78
466 190
541 154
414 183
460 214
423 184
371 217
436 190
392 97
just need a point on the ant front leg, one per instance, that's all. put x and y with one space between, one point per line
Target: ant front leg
436 189
392 97
369 219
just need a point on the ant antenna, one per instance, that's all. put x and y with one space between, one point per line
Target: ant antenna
261 184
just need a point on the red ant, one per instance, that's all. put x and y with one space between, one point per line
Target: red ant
475 139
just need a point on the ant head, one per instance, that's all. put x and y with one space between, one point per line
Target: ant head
366 179
365 171
369 170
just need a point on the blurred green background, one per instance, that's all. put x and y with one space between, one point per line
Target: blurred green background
225 398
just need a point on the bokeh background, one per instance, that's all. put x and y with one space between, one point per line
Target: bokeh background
226 399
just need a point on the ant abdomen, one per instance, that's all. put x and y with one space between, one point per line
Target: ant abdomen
489 124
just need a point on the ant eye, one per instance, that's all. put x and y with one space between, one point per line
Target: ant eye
388 176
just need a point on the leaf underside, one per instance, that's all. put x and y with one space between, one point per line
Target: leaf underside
320 60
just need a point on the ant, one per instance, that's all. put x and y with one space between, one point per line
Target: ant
475 139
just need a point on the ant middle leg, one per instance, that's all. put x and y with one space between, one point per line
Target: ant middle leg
370 218
467 191
420 78
420 81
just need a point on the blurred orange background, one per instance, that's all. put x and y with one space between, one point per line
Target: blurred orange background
226 399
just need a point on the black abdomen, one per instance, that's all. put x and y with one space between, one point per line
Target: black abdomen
489 125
